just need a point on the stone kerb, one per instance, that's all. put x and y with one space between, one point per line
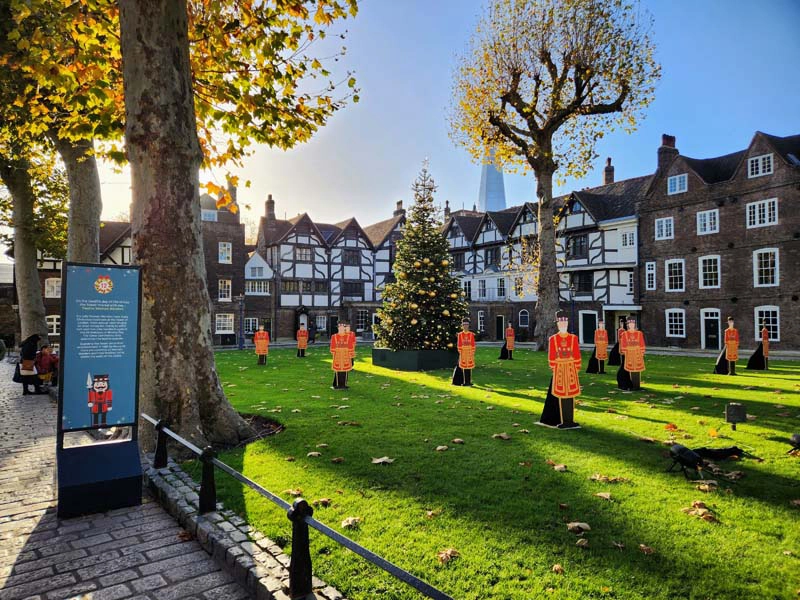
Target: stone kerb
254 560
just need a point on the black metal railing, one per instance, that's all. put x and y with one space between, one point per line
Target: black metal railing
299 513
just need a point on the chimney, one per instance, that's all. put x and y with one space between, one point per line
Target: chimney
667 152
608 174
399 210
269 208
447 209
232 191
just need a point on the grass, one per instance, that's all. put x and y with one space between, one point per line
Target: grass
498 502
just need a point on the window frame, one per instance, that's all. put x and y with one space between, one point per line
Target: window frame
708 231
467 287
304 254
501 287
777 278
630 283
361 323
53 324
578 278
700 272
583 247
681 182
351 257
217 329
358 284
753 207
221 285
222 255
650 269
249 326
628 235
674 261
665 221
293 286
757 322
674 311
323 319
206 214
491 256
251 287
481 321
527 318
459 260
256 272
758 162
51 289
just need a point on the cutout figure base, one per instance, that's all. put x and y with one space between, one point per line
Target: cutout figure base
614 357
262 359
596 366
758 362
558 413
462 376
301 353
724 366
505 353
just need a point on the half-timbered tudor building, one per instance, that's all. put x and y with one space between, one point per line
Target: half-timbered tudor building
721 237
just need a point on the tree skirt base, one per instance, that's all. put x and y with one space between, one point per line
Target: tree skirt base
414 360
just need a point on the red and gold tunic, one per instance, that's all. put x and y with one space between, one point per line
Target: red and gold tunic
564 355
351 340
340 348
765 341
731 344
509 338
302 339
261 340
466 350
601 344
100 401
631 344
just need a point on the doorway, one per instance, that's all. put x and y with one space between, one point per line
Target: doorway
709 329
588 323
334 325
500 327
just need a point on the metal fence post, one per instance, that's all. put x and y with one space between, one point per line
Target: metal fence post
160 458
300 565
208 488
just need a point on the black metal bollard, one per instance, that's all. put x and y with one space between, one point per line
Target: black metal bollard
160 458
208 488
300 565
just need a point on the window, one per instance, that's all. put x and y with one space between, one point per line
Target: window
577 246
628 239
290 286
362 318
458 261
454 231
759 165
519 286
302 254
708 222
225 252
524 318
208 215
306 286
582 281
664 229
771 317
353 288
676 322
322 322
577 207
677 184
351 258
488 225
52 287
320 287
126 255
53 324
224 290
766 268
527 217
468 289
481 320
492 256
501 287
630 283
256 287
674 275
762 213
650 276
482 288
224 323
56 348
708 270
256 272
250 324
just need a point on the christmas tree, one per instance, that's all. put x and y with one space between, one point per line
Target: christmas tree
423 308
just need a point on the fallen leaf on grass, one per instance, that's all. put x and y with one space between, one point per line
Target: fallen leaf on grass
582 543
618 545
289 459
578 527
524 431
604 496
713 433
795 502
751 417
749 387
441 448
525 463
562 506
383 460
783 414
445 556
337 460
314 454
648 440
788 553
351 523
457 441
430 514
611 410
296 410
501 436
293 492
349 423
607 479
324 502
646 549
558 569
671 427
322 445
708 486
560 468
699 509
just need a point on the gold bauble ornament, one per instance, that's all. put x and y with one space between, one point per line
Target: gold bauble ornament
417 264
445 262
431 294
446 313
450 345
426 260
427 343
454 296
413 321
402 296
414 305
401 275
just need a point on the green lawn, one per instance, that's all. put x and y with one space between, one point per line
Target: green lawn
499 503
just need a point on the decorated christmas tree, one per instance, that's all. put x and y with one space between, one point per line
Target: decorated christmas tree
423 308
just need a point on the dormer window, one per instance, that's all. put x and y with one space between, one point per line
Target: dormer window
527 217
209 215
759 165
489 225
677 184
577 207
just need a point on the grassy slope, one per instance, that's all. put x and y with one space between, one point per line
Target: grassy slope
497 502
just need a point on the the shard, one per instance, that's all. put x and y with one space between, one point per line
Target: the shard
492 194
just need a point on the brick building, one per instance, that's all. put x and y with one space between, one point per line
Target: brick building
718 237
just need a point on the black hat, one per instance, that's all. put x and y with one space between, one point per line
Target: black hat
561 316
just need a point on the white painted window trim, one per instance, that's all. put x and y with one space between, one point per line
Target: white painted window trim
667 263
700 260
754 206
481 321
628 235
664 236
757 321
53 324
710 313
321 322
674 311
756 253
709 231
630 287
501 287
527 318
251 287
225 253
52 287
586 337
220 323
250 324
681 184
208 215
650 269
221 285
758 162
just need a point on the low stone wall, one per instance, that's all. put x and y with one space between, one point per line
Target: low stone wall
253 559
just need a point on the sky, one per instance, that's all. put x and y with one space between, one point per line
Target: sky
729 68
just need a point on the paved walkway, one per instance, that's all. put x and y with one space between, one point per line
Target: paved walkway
135 553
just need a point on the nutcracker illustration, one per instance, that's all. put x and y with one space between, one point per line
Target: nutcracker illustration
507 351
726 362
597 363
564 357
100 396
302 341
462 374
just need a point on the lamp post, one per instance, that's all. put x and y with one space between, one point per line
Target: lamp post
240 300
572 304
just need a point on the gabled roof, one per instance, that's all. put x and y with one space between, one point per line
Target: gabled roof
111 234
351 222
275 232
615 200
785 146
378 232
328 232
469 225
714 170
519 211
504 219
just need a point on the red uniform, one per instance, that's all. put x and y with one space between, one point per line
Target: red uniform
100 401
261 340
340 349
466 350
601 344
510 338
765 341
731 344
631 344
302 339
351 341
564 356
